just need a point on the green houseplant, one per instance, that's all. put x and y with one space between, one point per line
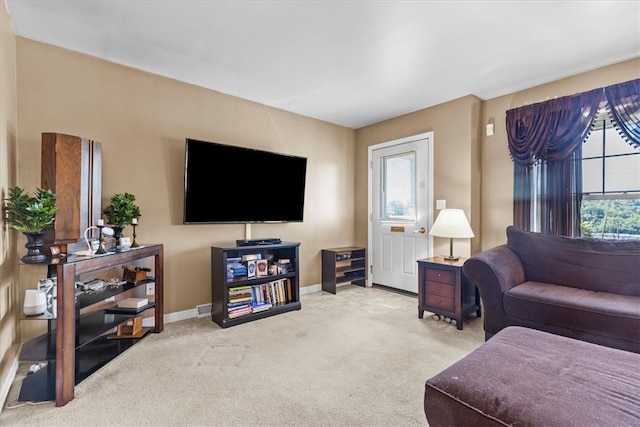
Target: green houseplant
121 210
31 214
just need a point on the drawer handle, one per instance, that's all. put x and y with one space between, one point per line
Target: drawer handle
439 301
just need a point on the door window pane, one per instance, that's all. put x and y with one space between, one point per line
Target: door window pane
398 187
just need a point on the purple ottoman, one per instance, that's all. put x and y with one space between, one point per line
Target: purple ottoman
524 377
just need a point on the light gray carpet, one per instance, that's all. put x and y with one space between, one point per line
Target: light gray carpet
357 358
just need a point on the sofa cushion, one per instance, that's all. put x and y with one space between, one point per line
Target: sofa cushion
583 311
523 377
593 264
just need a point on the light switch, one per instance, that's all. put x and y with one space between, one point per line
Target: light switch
489 129
441 204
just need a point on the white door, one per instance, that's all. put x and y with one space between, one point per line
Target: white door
400 203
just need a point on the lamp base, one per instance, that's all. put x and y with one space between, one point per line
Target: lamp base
451 256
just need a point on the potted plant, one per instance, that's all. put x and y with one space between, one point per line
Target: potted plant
121 211
31 214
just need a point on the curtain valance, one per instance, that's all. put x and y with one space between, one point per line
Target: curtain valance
623 104
552 130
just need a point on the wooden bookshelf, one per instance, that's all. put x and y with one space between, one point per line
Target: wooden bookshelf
231 274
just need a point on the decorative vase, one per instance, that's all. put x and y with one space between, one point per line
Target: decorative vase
117 234
33 245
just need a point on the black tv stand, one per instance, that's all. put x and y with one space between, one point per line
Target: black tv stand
258 242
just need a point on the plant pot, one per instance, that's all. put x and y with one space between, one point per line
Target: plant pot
117 234
33 245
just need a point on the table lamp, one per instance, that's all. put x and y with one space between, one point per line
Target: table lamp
452 223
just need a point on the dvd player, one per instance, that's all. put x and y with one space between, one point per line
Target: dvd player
257 242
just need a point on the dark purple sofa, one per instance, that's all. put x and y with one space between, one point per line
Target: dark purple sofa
587 289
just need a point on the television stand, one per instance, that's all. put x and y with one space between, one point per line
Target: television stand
237 296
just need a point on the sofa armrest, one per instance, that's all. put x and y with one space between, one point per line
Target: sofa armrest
494 272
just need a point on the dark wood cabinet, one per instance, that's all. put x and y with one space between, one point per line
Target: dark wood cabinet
268 273
71 167
78 339
443 289
342 265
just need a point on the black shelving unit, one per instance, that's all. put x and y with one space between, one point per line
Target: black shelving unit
342 265
222 259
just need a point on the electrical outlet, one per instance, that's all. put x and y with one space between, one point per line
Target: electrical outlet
441 204
151 288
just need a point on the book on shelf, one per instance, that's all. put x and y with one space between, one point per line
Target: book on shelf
133 302
236 304
240 307
289 291
241 299
261 307
242 291
240 311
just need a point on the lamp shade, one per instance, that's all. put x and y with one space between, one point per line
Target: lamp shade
452 223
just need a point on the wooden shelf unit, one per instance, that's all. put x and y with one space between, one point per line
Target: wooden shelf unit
221 259
342 265
76 344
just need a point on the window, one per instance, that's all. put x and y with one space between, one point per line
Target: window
610 205
398 189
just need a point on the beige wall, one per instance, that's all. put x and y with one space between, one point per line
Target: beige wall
473 171
9 286
142 121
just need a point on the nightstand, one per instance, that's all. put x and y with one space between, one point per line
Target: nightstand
444 290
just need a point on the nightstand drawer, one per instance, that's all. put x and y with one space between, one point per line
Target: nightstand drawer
440 289
442 276
440 302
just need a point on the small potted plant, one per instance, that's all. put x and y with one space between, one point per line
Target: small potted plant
121 211
31 214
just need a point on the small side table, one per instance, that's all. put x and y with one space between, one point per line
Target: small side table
443 289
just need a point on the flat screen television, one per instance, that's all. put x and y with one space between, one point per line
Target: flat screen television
229 184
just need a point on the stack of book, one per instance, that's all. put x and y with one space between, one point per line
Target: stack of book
240 299
236 270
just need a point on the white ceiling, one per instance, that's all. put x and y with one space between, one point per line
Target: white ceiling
352 63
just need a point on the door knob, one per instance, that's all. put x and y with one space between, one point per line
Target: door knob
421 230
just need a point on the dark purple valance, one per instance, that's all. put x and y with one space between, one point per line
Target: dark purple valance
551 130
623 104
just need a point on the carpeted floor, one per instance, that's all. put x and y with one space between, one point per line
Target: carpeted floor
357 358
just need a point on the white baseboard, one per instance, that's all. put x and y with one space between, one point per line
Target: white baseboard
6 386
